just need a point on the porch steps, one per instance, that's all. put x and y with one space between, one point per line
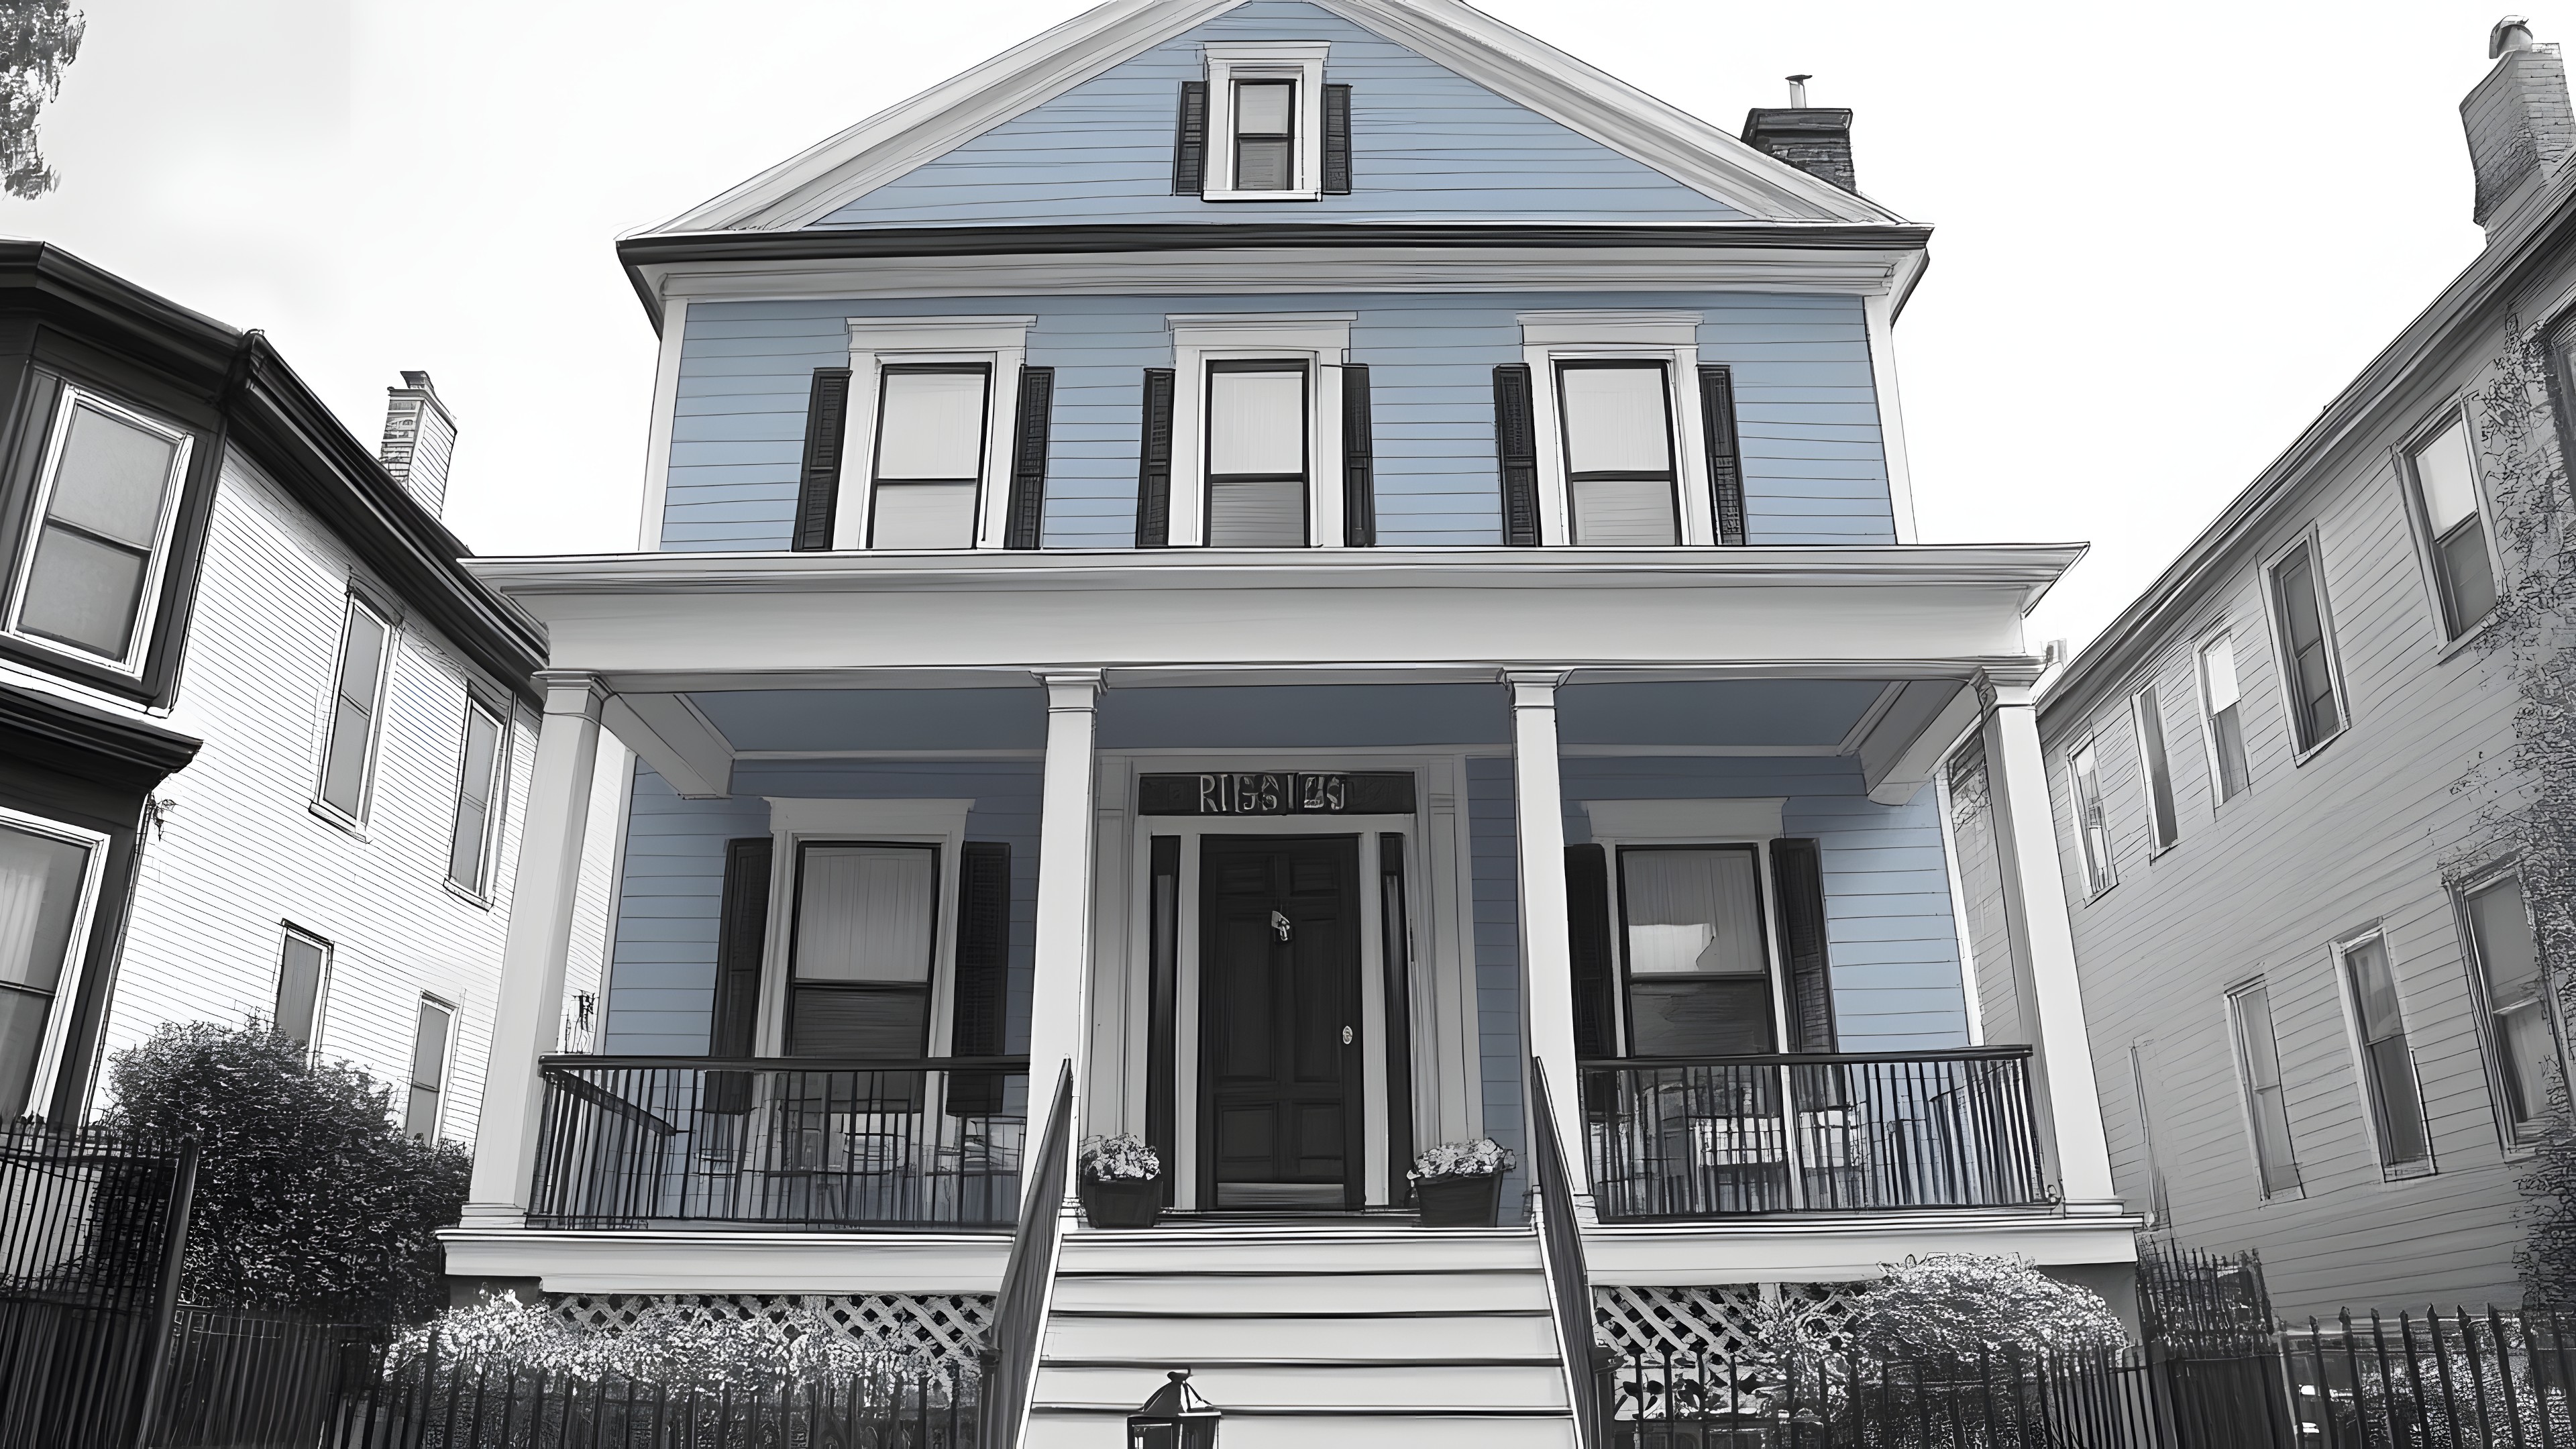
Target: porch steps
1372 1333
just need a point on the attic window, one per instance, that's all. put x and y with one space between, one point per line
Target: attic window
1263 126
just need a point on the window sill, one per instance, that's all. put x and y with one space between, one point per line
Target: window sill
480 903
1214 195
2312 751
337 821
2410 1171
2467 637
2094 895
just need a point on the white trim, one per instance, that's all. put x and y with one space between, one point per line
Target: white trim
1322 340
355 820
2284 658
1252 60
792 822
76 948
1000 343
138 639
2419 521
1878 314
2339 953
666 409
1969 996
1662 822
1671 338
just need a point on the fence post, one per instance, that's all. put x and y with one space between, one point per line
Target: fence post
165 1308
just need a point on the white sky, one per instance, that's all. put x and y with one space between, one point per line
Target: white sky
2166 234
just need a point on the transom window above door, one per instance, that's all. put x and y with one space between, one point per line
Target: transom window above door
865 937
931 430
1257 464
1619 472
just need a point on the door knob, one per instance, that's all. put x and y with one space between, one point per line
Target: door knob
1281 924
1346 1036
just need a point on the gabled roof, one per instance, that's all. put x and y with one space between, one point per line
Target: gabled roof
895 141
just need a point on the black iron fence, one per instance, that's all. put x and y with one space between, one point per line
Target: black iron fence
240 1380
2001 1400
1726 1136
632 1141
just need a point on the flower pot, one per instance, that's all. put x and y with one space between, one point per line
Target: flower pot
1130 1203
1459 1202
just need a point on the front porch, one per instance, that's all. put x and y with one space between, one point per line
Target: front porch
1287 908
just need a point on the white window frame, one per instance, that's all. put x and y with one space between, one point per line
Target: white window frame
375 718
1322 340
1671 338
795 822
2482 1002
2286 659
147 609
2338 955
446 1065
67 982
2099 875
1298 61
496 805
288 933
2233 998
2427 555
1685 823
1000 343
2219 799
2138 716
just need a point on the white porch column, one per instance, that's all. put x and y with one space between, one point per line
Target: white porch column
2034 883
1060 994
1547 962
530 1011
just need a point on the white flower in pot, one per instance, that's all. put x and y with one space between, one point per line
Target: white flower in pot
1459 1184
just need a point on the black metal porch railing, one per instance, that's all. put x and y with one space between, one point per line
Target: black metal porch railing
631 1142
1701 1137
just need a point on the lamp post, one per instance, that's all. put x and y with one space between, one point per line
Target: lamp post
1174 1418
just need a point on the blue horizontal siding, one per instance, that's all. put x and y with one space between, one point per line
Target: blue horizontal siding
1426 143
1814 463
1493 876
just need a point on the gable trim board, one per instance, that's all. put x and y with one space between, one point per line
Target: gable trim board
820 180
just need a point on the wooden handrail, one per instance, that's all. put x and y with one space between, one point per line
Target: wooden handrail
1019 1315
1569 1283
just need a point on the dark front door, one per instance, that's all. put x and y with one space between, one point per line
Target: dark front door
1279 1053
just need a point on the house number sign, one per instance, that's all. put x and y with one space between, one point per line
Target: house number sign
1276 792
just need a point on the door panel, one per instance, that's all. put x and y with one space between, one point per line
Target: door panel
1279 982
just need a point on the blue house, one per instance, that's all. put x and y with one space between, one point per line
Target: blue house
1306 581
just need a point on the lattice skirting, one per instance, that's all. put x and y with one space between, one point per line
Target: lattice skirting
945 1326
1691 1349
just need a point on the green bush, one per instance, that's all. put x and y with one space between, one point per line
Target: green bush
309 1198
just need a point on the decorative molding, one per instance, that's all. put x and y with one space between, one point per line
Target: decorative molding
1300 61
999 342
1611 327
1639 821
936 820
1320 339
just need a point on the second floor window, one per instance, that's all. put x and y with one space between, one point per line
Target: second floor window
480 772
2162 819
1619 469
303 982
2223 718
2387 1062
93 556
357 695
2258 1065
2316 710
2445 466
1256 454
2092 822
931 421
2521 1042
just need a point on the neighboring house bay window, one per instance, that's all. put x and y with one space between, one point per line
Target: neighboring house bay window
48 889
2258 1066
99 533
2445 469
2522 1042
862 951
357 698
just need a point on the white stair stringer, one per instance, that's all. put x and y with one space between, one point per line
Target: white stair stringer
1376 1337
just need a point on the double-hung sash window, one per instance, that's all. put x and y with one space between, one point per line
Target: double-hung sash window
429 1041
48 888
1699 974
303 984
2387 1063
2445 466
2298 602
931 430
1257 454
100 531
2162 819
2521 1041
2258 1065
1619 464
2092 822
357 698
480 776
2223 719
865 938
1265 135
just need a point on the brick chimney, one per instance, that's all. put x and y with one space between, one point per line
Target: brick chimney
2518 122
420 439
1815 139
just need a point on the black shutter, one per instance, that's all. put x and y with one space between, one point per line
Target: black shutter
1337 140
1516 449
742 931
1798 879
1029 457
1725 456
1189 145
1154 462
827 411
1359 458
983 972
1593 952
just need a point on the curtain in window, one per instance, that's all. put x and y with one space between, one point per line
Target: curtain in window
863 942
1698 977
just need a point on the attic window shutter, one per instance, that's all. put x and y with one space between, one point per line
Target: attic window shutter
1337 140
1725 455
1587 916
1189 145
983 972
827 411
1359 459
1029 457
1154 462
1798 879
1516 449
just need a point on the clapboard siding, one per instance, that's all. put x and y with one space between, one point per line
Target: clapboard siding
1814 463
662 977
242 852
2366 831
1502 1052
1426 143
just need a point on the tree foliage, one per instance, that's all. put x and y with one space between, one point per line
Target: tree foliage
1971 1303
308 1197
38 40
